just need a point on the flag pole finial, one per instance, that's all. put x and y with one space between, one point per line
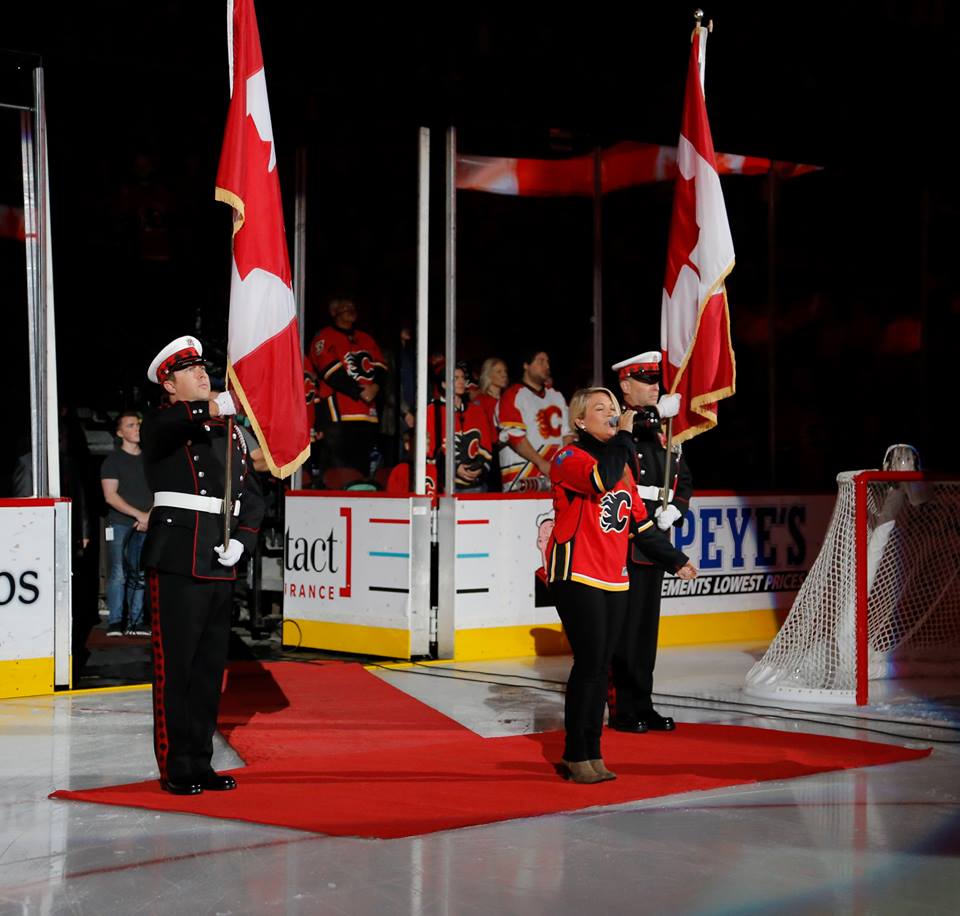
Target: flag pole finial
698 21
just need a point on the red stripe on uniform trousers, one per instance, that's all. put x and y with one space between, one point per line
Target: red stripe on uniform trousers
159 676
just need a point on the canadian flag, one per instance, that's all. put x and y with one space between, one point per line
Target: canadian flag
623 165
698 359
264 361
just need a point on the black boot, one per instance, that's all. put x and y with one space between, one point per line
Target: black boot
654 722
627 725
181 788
214 782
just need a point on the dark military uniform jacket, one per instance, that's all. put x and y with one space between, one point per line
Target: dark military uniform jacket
184 451
652 457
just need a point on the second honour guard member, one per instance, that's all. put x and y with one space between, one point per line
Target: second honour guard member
631 706
189 574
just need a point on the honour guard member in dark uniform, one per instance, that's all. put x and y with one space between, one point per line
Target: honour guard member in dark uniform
631 703
189 574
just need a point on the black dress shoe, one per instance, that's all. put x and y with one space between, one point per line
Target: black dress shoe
181 788
654 722
626 725
214 782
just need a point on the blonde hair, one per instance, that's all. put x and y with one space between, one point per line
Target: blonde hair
486 370
578 405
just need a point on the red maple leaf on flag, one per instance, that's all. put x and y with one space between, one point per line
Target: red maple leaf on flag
262 240
698 360
684 232
264 360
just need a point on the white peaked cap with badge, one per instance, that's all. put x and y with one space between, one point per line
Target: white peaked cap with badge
178 354
647 363
645 367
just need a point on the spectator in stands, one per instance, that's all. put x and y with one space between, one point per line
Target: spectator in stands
129 500
472 437
493 382
349 371
531 418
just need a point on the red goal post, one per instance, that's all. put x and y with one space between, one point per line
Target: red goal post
897 615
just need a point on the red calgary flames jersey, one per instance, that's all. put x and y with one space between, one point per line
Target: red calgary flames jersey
591 533
344 363
472 440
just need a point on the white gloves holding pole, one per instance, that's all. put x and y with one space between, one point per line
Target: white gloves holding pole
668 406
225 404
231 555
666 517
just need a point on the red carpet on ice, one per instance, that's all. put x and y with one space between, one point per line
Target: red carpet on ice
333 749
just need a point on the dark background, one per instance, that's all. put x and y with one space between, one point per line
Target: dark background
867 299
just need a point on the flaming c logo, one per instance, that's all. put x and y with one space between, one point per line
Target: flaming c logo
615 510
359 365
548 422
468 445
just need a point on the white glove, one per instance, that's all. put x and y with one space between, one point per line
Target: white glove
229 556
665 517
224 401
668 406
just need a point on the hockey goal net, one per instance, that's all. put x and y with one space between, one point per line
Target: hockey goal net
882 599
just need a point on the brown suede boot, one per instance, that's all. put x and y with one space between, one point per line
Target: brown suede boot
581 771
600 768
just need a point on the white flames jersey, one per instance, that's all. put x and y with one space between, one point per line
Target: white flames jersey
542 418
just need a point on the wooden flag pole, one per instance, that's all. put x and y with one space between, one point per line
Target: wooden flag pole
228 482
668 460
667 469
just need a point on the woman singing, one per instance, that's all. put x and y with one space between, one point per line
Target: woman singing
594 505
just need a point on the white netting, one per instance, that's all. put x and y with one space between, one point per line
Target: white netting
913 605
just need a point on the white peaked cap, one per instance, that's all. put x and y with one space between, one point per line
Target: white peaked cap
178 354
648 361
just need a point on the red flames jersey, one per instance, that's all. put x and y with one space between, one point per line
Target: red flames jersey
473 441
541 416
592 526
344 363
488 404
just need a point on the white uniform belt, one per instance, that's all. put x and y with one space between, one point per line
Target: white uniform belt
212 504
652 493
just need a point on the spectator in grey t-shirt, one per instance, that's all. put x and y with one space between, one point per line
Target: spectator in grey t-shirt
127 494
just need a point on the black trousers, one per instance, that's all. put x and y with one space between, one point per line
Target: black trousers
592 618
636 651
190 621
